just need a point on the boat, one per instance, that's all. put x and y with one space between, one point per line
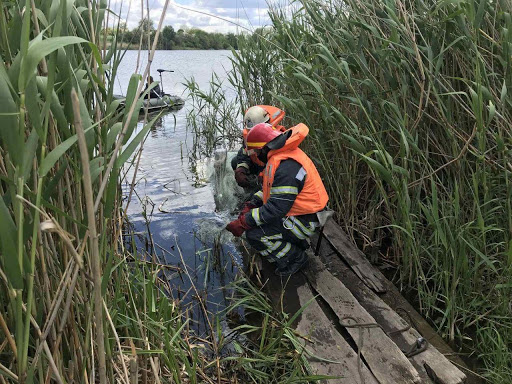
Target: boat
156 103
153 104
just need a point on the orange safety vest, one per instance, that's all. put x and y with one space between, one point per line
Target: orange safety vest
313 196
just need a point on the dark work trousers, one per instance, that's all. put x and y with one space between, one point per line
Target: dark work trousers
283 240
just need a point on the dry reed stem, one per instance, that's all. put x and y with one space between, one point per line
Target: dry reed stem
51 360
8 336
134 375
133 183
91 26
125 370
3 345
67 310
53 311
57 300
120 138
141 36
93 239
64 235
9 373
44 67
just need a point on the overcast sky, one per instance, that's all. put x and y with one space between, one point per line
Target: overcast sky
248 13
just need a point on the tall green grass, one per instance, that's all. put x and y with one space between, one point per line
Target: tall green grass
76 305
213 118
408 105
63 143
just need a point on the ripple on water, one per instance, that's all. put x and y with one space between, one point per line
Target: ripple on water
180 193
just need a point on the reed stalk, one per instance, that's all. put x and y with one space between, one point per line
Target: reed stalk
407 105
93 238
75 299
120 140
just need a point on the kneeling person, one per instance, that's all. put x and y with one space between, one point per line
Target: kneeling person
293 192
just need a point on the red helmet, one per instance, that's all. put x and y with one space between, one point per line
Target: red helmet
260 135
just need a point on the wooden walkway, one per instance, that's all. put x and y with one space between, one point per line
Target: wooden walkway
356 325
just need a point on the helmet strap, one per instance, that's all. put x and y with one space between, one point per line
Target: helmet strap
263 155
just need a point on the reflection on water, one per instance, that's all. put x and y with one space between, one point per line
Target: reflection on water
173 210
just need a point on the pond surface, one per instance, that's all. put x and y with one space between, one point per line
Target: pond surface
173 209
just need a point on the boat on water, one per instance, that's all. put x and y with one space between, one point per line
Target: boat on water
158 102
153 104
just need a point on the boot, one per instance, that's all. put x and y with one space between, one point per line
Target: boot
292 266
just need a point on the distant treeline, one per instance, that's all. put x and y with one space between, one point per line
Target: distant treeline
170 39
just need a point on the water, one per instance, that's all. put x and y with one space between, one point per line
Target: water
179 209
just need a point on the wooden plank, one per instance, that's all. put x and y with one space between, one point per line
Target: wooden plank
430 363
325 342
384 358
354 257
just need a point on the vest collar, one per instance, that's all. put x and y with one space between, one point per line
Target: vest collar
288 141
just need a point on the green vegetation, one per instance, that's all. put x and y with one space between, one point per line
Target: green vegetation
408 104
212 119
76 305
60 236
192 38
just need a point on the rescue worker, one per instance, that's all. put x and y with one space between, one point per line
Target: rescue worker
279 224
245 169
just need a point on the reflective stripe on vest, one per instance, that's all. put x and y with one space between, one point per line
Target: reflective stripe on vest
313 196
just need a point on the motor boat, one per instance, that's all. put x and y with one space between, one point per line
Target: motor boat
153 104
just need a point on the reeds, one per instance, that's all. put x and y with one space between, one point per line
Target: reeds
213 118
59 229
76 305
408 105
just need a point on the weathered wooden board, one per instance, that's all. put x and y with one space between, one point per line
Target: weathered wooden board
354 257
352 273
326 343
431 362
386 361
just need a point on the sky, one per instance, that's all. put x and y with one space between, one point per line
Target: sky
250 14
